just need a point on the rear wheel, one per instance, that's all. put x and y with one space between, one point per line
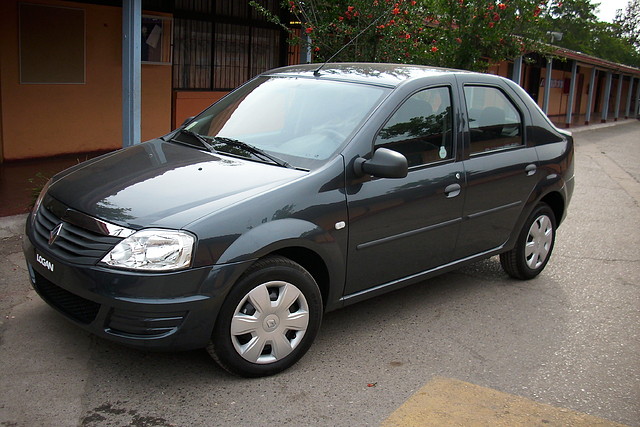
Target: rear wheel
269 319
534 246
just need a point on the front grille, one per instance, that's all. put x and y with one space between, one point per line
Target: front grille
73 244
78 308
147 324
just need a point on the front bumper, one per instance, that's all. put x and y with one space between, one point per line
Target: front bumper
161 311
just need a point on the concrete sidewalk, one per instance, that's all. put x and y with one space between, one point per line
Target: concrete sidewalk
12 225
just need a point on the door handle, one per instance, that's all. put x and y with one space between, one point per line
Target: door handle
531 169
452 190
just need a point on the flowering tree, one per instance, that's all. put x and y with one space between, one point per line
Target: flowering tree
467 34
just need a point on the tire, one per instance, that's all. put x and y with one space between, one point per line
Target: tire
534 246
269 319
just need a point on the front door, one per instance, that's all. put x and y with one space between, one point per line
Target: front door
400 227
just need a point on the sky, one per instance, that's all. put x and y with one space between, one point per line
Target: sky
607 9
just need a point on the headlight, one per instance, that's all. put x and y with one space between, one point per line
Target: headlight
152 250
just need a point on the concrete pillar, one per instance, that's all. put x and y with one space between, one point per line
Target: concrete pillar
305 49
616 113
605 98
637 112
547 86
572 90
517 71
592 84
131 71
627 110
637 109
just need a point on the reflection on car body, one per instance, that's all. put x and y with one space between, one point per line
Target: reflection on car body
297 194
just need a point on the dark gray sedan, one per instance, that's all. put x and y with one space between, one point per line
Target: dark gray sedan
303 191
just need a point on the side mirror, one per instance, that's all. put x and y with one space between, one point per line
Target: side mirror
385 163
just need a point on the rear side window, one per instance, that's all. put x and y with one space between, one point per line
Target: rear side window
421 128
494 121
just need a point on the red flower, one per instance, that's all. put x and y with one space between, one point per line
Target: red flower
496 17
458 39
340 18
413 3
502 6
316 49
491 25
309 30
350 9
391 22
407 36
434 49
396 11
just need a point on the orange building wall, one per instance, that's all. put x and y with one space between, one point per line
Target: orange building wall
557 98
40 120
190 103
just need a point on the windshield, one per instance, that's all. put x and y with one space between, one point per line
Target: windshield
299 120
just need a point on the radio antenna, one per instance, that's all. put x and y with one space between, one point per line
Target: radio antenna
316 72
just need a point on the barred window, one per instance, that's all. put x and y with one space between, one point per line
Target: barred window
192 54
221 47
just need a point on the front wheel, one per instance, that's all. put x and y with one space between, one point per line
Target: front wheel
533 248
269 320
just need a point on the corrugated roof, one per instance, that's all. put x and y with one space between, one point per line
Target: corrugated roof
598 62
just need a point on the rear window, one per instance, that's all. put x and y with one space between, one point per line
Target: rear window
494 121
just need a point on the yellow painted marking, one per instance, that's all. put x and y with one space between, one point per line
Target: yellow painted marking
449 402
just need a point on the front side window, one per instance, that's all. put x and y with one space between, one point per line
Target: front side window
421 128
494 122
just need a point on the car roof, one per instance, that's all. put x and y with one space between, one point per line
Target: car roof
390 75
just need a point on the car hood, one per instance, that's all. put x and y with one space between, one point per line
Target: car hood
163 184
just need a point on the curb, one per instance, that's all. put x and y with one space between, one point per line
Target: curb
600 125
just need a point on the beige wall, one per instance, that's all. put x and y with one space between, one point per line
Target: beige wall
40 120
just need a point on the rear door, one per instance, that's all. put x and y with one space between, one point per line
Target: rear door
500 167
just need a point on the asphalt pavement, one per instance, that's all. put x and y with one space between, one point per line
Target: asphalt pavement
472 347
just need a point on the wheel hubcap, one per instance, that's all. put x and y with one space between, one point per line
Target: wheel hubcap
539 242
269 322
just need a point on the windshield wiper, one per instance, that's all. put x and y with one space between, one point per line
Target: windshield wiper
254 150
197 137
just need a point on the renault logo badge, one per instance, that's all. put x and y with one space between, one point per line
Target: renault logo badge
55 233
